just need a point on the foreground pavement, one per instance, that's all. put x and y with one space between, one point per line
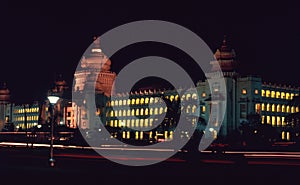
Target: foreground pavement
83 166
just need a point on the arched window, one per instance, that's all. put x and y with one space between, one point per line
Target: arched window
112 113
288 109
263 93
282 95
273 108
120 102
142 100
273 94
156 111
142 112
278 108
151 100
128 102
137 101
151 111
116 113
194 108
146 100
194 96
112 103
132 101
292 109
132 112
171 98
137 112
188 96
120 112
287 96
116 103
277 94
128 112
176 97
146 111
124 112
188 109
278 121
268 93
268 107
263 107
161 110
283 108
124 102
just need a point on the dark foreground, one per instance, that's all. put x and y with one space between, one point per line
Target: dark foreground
30 166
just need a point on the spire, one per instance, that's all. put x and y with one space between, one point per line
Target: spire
96 42
224 46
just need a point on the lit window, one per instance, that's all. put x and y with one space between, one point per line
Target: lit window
128 102
283 121
297 109
194 96
283 135
256 91
120 102
273 120
146 122
146 100
278 108
194 108
292 109
257 108
171 98
244 91
273 108
176 97
282 95
132 101
263 107
277 94
132 112
203 95
151 111
188 96
262 119
203 109
188 109
137 112
161 110
156 111
128 112
273 94
120 112
287 96
268 120
288 109
278 121
124 112
292 95
137 101
283 108
132 123
142 123
268 107
124 102
146 111
142 111
116 102
268 93
151 100
142 100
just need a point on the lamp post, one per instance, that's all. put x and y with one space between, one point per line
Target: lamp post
53 100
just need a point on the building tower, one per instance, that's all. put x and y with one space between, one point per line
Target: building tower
93 71
5 112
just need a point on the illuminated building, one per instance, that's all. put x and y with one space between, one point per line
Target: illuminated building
92 63
246 95
5 106
26 116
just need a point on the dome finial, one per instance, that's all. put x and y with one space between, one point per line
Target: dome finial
224 40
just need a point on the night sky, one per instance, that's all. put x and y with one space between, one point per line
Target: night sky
41 40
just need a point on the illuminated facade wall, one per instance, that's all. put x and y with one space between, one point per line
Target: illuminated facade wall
135 113
5 106
26 113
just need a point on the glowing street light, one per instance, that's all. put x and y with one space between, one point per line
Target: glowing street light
53 100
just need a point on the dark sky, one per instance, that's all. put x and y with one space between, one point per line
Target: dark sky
40 40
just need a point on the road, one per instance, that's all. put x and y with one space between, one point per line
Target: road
84 166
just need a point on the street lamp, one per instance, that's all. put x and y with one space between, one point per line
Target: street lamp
53 100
